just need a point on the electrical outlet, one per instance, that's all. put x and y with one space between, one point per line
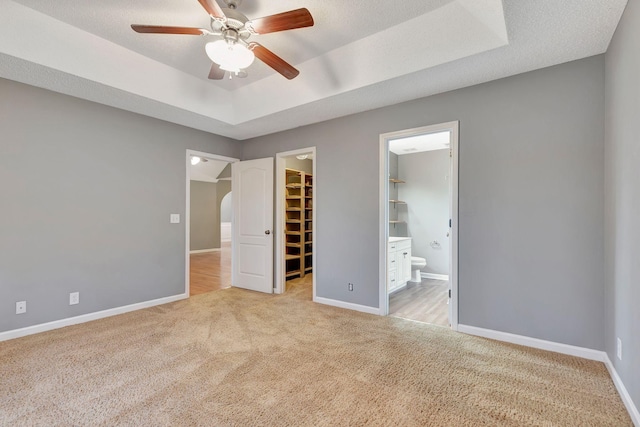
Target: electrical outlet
351 287
74 298
21 307
619 349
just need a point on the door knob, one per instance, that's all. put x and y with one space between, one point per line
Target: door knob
267 232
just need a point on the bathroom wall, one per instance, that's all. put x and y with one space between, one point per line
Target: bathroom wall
426 192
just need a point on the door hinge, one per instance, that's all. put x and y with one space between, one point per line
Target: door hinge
449 223
449 293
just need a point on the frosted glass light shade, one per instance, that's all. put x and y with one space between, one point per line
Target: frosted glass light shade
195 160
230 57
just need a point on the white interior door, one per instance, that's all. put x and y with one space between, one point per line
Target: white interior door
252 243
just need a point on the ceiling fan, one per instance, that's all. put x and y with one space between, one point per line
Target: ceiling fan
232 51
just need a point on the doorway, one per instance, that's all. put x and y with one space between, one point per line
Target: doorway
296 192
208 246
418 233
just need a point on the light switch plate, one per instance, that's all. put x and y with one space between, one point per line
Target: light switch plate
174 218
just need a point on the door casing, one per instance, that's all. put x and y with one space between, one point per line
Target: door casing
280 282
452 127
187 210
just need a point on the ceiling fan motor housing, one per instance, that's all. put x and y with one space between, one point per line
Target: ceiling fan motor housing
235 19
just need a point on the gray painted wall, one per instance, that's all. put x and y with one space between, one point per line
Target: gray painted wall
86 194
224 188
426 192
225 207
226 172
530 202
622 200
206 205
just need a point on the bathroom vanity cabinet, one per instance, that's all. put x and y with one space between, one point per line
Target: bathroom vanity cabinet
398 263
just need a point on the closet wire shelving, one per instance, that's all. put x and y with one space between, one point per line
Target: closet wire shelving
298 223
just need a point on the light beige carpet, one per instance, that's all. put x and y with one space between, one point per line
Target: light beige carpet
238 358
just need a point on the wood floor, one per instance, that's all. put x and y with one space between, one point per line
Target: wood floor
210 271
423 302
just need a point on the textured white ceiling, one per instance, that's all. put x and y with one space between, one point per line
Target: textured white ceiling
361 54
337 23
420 143
207 171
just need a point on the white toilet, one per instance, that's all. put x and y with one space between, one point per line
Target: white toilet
417 264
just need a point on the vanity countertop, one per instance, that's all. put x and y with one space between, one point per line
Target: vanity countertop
397 239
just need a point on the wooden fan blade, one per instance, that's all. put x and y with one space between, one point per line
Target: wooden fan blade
161 29
216 72
274 61
213 9
293 19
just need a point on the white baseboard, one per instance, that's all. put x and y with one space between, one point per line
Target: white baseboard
43 327
401 287
585 353
622 391
347 305
201 251
434 276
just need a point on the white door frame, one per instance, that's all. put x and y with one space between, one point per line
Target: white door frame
280 282
453 127
187 210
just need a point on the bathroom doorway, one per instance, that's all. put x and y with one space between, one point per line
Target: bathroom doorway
418 250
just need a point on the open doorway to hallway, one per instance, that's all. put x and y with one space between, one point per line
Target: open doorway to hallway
420 198
209 219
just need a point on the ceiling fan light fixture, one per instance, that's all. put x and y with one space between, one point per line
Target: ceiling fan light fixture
195 160
230 56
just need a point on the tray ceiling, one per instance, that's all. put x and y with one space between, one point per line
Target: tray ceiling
359 55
